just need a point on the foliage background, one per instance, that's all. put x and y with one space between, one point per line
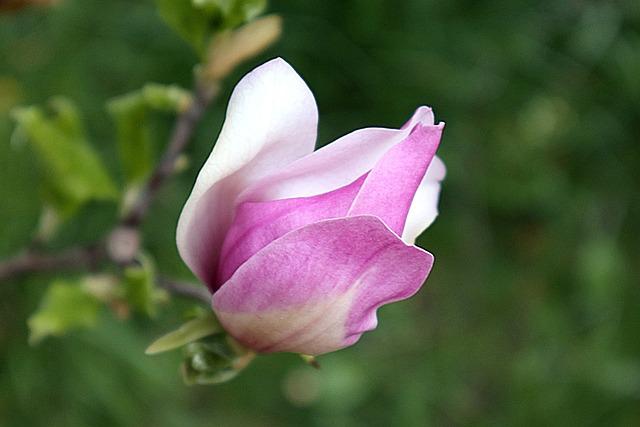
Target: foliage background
531 315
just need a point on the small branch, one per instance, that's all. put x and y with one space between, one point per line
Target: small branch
69 259
182 133
197 292
79 258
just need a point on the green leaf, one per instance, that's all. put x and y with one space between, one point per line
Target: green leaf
133 138
64 307
190 23
214 360
240 11
190 331
131 115
169 98
198 20
73 172
140 287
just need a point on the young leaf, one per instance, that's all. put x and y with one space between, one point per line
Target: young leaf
169 98
73 172
64 307
134 142
240 11
214 360
230 48
190 331
131 115
198 20
139 285
190 23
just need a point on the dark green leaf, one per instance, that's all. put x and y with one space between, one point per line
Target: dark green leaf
189 22
197 20
214 360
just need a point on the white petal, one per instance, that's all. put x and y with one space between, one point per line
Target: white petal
271 121
424 207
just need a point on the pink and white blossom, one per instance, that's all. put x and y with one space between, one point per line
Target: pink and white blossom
300 247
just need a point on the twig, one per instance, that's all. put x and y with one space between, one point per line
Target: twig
182 132
87 257
79 258
185 290
69 259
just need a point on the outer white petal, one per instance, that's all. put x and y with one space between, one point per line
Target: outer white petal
271 121
424 207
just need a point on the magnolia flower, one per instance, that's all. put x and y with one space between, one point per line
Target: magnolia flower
300 247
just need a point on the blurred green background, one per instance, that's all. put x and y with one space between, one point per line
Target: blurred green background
531 315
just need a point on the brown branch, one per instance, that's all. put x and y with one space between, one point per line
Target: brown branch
86 258
182 133
188 290
69 259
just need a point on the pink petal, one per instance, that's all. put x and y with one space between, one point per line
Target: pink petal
317 288
256 224
271 121
387 192
390 187
334 165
